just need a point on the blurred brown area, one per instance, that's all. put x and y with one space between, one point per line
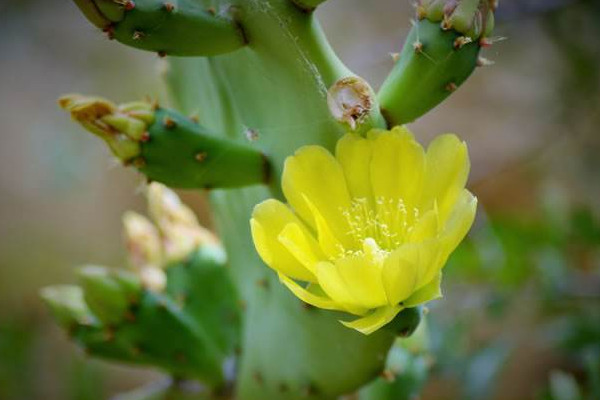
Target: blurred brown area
531 122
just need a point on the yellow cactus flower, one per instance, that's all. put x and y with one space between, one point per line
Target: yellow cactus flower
367 231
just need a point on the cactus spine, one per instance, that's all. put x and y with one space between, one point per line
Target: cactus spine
275 86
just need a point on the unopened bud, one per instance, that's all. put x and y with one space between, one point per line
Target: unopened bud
67 305
122 127
108 297
351 101
153 278
179 228
143 241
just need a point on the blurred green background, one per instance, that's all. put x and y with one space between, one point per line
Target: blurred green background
521 313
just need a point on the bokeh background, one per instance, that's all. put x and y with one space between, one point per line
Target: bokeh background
521 314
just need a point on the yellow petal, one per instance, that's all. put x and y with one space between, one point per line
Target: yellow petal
397 166
268 220
301 245
429 292
426 227
334 286
460 220
309 296
446 171
329 243
313 173
363 280
354 155
375 320
401 273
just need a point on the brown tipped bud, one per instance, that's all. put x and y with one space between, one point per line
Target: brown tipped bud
351 101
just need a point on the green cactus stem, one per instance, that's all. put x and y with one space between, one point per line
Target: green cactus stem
439 54
407 369
307 5
179 28
168 147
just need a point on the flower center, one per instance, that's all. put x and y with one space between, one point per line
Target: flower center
387 222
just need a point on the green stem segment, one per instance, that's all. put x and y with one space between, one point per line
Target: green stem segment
183 154
179 28
432 65
168 147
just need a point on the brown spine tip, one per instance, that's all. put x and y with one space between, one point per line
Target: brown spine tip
201 156
418 46
446 23
139 162
421 12
129 5
109 31
451 87
395 57
461 41
283 387
258 378
310 390
263 283
162 54
169 7
169 123
388 375
211 11
485 42
145 137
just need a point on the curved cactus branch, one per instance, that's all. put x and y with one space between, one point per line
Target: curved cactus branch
439 54
179 28
168 147
307 5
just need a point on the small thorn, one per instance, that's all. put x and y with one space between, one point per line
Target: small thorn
181 357
129 5
109 31
195 119
145 137
461 41
211 11
418 46
484 62
425 310
258 378
283 387
139 162
451 87
309 390
421 12
109 334
395 57
162 54
137 35
307 306
136 351
263 283
485 42
388 375
201 156
169 7
446 23
251 134
169 123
